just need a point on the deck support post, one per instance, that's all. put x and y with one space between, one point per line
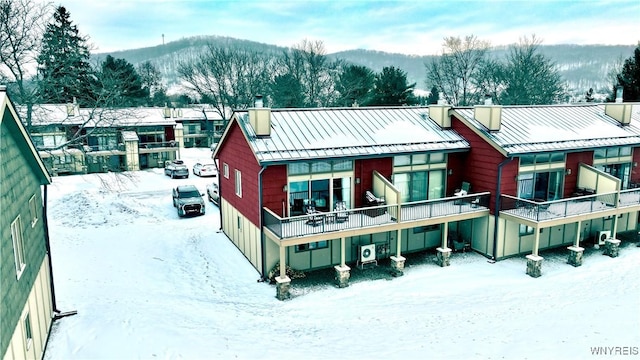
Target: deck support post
534 265
612 247
443 256
575 255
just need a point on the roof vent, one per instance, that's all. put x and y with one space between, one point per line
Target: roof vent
258 103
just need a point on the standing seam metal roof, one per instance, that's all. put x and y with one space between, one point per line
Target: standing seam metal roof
302 134
532 129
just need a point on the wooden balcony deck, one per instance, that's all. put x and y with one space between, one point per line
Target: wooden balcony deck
369 217
595 205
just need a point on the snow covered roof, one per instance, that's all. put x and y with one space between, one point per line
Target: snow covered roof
69 114
298 134
532 129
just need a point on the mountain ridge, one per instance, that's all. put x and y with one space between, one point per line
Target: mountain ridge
581 66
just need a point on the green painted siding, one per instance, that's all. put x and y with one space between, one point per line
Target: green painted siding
18 183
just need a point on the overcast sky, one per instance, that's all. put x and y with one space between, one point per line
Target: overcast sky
409 27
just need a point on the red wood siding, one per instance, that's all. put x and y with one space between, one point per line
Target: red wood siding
169 134
364 171
274 178
456 164
480 167
238 155
572 162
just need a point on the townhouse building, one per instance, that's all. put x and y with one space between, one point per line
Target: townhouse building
73 140
343 187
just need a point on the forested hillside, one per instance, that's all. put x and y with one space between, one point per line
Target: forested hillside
581 66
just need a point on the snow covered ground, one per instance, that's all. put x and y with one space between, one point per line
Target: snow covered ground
149 285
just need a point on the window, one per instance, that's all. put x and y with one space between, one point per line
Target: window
420 185
238 183
544 186
320 167
33 210
18 245
28 337
225 170
426 228
420 176
545 158
312 246
615 161
525 230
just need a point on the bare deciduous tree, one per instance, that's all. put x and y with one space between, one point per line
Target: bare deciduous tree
227 78
453 72
307 62
22 23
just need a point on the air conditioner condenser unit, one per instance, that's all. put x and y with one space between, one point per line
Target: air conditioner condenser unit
602 236
367 253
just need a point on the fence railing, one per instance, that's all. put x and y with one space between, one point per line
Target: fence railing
549 210
332 221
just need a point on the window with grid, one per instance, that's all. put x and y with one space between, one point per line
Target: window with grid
18 246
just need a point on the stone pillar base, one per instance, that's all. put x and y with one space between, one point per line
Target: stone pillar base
444 254
575 255
397 265
611 247
283 284
343 273
534 265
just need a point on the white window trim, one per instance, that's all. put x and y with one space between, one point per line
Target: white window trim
28 335
33 210
225 170
18 246
238 180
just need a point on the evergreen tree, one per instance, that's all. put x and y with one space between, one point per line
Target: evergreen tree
286 92
391 88
629 78
434 96
63 63
150 78
354 85
119 79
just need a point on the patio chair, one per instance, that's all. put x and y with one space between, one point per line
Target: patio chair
315 217
464 189
457 243
341 211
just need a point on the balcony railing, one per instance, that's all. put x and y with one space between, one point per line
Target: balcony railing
155 145
332 221
550 210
